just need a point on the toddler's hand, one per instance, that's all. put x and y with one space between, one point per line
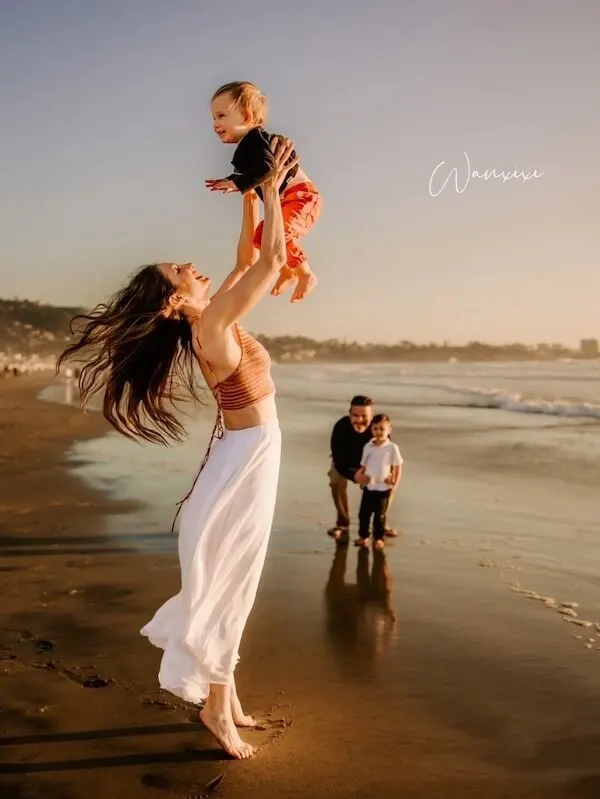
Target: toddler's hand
223 185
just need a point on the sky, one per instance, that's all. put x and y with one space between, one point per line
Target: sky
106 140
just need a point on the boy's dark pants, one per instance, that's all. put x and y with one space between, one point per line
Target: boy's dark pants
375 504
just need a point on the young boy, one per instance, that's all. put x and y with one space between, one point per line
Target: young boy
239 111
379 473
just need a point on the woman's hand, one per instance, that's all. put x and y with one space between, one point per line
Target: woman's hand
282 150
250 197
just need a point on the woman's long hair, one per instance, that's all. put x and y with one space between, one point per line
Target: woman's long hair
141 359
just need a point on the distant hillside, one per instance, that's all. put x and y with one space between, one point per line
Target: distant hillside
30 327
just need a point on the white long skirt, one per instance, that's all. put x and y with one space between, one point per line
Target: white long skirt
223 536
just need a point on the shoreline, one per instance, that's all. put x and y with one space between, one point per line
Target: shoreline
38 483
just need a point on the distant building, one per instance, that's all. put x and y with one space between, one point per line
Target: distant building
589 348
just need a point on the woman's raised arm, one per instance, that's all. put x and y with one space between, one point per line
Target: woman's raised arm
246 251
228 307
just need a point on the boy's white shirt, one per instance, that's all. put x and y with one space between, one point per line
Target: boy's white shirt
378 462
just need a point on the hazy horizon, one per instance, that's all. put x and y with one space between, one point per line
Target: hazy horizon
107 140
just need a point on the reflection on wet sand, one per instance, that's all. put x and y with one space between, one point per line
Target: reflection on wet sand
70 379
360 619
69 392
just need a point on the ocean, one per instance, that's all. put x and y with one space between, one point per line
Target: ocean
513 430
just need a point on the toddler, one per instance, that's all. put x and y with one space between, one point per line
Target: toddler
239 111
379 473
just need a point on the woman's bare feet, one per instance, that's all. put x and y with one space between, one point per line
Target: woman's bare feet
217 716
240 719
286 276
362 542
379 544
307 281
224 730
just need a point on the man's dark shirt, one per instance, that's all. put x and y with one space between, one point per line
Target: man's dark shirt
252 161
347 447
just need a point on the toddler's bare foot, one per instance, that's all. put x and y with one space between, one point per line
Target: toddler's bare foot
286 275
307 281
223 728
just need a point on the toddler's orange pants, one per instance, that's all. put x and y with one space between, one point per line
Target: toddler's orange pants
300 206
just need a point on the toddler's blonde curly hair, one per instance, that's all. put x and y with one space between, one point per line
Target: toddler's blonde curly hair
247 97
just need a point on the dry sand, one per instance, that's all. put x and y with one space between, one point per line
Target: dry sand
488 693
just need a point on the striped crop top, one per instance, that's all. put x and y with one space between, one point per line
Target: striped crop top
251 381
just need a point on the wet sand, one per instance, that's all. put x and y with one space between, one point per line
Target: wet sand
429 672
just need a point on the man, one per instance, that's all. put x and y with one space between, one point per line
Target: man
348 439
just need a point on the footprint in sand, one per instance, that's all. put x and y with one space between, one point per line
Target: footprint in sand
528 593
565 609
568 612
549 602
504 567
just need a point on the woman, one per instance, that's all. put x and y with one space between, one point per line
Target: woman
142 347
